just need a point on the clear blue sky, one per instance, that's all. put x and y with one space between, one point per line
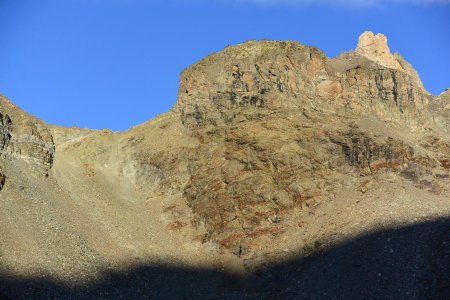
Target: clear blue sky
116 63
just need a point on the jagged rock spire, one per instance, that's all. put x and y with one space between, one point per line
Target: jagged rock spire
375 48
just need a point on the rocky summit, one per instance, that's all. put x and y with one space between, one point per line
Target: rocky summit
279 173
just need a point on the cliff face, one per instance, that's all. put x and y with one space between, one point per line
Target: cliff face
24 137
287 76
281 128
269 146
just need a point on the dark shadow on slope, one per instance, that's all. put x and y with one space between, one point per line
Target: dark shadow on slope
411 262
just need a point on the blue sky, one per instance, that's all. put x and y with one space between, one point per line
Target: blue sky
116 63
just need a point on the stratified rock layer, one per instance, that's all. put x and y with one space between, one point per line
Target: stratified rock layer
276 76
24 137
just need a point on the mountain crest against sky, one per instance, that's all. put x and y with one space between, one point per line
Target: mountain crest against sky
375 47
272 151
276 74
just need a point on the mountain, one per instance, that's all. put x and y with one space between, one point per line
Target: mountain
275 165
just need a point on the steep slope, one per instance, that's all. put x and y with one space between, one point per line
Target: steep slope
98 208
272 151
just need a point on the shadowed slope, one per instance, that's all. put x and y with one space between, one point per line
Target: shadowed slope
410 262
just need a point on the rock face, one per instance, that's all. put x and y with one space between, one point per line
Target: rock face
375 48
274 76
24 137
277 122
440 108
269 144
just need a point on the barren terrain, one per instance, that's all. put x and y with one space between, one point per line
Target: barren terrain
279 173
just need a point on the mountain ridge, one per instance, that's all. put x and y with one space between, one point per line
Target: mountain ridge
272 150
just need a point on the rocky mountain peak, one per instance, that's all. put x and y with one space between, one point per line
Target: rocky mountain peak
272 151
260 77
279 123
375 48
